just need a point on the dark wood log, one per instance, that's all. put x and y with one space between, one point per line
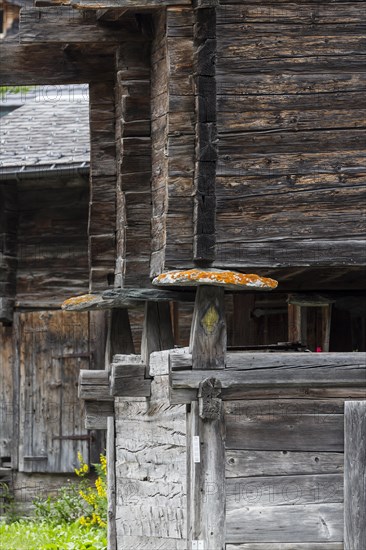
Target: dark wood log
151 4
354 474
58 64
208 332
67 25
147 294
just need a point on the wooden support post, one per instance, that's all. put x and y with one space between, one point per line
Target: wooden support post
354 475
208 331
111 484
206 460
157 333
119 339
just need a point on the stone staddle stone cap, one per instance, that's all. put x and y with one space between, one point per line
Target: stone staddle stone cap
230 280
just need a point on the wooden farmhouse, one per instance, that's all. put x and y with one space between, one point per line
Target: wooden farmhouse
219 278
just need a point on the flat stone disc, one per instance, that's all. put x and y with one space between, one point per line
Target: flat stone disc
231 280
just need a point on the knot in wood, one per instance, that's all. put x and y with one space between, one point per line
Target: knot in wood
209 399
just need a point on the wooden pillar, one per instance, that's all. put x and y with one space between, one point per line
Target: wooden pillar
354 475
157 333
111 484
206 470
208 331
119 339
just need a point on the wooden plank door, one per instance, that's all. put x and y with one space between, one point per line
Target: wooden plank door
53 347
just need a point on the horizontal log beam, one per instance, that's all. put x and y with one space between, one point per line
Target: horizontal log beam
66 24
271 371
147 294
56 64
94 385
128 377
134 4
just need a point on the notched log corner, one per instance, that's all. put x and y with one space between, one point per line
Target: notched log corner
209 399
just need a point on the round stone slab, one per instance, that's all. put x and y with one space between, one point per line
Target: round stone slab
231 280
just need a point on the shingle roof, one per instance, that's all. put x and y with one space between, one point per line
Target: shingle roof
51 128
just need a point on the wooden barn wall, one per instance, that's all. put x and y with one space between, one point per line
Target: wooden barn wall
291 114
102 206
173 140
284 467
8 247
133 140
52 241
7 384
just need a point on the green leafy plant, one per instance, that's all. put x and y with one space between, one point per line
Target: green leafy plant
9 504
13 90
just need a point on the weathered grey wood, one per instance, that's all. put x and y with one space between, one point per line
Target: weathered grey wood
157 331
354 475
94 385
241 463
111 484
238 360
97 413
67 25
314 523
286 546
209 399
208 331
151 472
128 380
267 491
285 425
280 376
206 481
61 64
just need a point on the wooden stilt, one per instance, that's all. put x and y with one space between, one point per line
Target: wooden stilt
354 475
111 484
208 331
157 333
119 339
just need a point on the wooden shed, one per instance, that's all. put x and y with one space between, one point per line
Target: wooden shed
227 138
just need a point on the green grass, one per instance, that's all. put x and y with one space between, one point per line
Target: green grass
32 535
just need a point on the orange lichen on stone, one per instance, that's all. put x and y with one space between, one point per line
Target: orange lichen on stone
228 279
78 300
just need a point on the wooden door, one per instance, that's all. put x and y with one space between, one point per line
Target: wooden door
53 347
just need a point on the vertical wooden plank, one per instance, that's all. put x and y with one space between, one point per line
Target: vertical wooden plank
355 475
111 484
206 488
157 334
326 325
208 331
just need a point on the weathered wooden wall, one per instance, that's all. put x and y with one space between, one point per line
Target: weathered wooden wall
283 430
133 142
173 140
290 116
8 249
52 241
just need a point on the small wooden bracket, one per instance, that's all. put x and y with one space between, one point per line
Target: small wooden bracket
209 399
